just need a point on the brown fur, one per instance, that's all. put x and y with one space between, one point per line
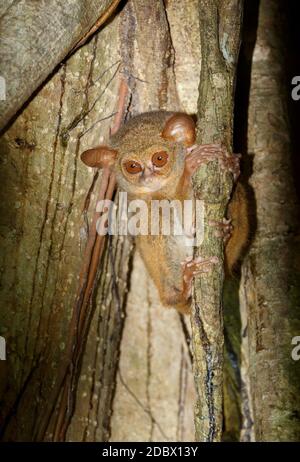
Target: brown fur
239 214
137 141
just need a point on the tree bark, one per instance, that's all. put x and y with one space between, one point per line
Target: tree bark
270 283
35 37
48 199
220 23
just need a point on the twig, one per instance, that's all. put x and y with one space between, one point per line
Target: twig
84 113
141 405
110 10
94 124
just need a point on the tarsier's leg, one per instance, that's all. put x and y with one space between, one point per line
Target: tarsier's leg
235 230
193 266
165 271
224 228
174 282
181 299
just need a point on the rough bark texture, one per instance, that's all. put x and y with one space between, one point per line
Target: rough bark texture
44 230
35 37
270 290
220 23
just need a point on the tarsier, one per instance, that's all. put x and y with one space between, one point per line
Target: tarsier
154 156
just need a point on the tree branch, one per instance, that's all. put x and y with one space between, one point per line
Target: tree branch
220 22
35 37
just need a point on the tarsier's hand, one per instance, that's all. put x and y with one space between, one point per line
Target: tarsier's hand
198 155
224 229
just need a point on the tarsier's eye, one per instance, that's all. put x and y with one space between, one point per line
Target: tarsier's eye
132 167
159 159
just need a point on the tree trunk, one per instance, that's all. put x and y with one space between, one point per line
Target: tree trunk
270 283
35 37
92 355
220 23
48 199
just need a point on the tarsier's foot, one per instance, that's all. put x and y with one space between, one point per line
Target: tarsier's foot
193 266
231 163
202 154
224 228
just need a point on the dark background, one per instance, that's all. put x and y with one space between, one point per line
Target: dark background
291 38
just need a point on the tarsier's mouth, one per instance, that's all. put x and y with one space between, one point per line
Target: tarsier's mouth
152 175
152 183
149 179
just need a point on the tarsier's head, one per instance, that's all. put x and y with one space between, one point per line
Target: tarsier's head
147 153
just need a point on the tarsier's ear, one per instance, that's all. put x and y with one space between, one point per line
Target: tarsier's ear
180 128
99 157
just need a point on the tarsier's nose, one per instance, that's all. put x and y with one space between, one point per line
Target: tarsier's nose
148 170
